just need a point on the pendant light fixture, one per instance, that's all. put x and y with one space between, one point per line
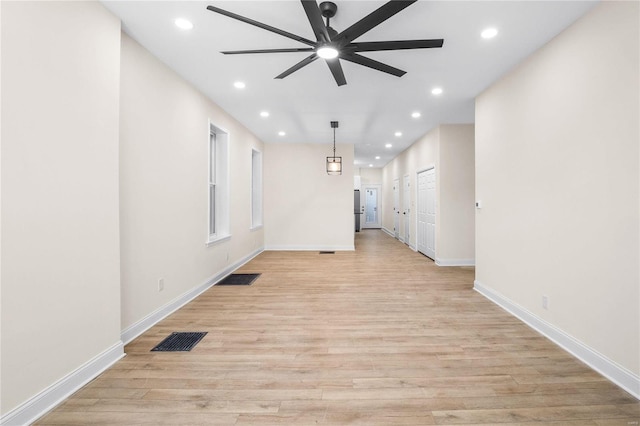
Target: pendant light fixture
334 164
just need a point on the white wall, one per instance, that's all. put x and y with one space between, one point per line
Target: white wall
557 170
306 209
456 197
1 410
164 135
60 246
370 175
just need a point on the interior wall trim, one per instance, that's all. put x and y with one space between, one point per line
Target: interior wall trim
309 248
616 373
386 231
44 401
139 327
455 262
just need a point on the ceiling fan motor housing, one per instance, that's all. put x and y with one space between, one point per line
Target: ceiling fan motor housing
328 9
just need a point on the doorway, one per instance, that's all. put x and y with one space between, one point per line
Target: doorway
426 241
371 203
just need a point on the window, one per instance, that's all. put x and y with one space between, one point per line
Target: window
212 185
218 185
256 189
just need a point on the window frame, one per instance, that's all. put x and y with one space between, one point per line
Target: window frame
218 228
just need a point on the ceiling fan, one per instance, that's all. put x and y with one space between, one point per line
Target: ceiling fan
332 45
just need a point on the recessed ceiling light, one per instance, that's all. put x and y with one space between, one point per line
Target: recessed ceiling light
377 157
436 91
327 52
183 24
415 114
370 165
264 113
239 85
281 133
388 145
398 134
489 33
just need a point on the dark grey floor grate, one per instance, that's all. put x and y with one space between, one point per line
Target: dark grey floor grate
327 252
239 279
179 342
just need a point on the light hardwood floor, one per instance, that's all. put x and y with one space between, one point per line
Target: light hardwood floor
379 336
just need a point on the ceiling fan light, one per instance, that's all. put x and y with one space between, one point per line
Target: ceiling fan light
327 52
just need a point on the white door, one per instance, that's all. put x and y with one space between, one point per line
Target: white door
406 208
427 213
371 206
396 208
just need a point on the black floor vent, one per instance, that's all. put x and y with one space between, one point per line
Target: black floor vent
327 252
239 279
179 342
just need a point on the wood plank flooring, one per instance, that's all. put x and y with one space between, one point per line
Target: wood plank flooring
379 336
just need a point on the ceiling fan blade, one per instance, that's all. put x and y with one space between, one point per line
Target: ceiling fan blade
306 61
241 52
261 25
373 46
373 19
336 70
315 19
368 62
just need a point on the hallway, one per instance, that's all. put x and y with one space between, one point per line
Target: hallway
376 336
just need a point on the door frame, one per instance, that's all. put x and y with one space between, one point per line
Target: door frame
406 208
418 171
363 221
396 208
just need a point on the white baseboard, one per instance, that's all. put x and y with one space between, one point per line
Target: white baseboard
309 248
159 314
44 401
455 262
619 375
413 247
386 231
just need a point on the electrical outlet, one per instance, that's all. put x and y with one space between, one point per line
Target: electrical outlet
545 302
161 284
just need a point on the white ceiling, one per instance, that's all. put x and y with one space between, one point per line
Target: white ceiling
373 105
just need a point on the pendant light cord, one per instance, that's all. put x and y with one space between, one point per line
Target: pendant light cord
334 142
